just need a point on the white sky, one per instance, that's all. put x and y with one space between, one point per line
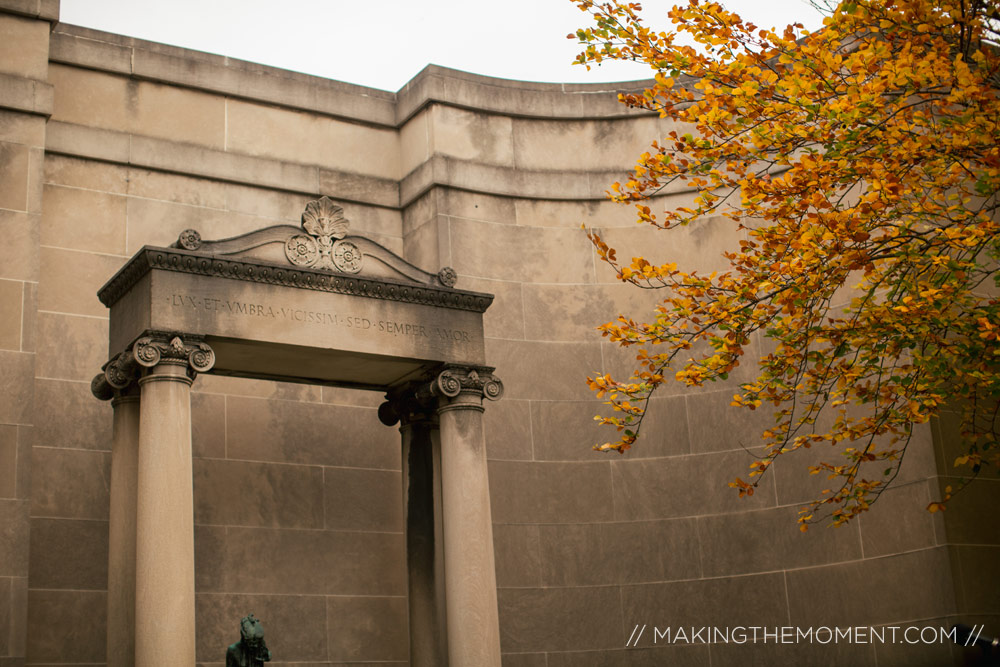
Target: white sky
384 43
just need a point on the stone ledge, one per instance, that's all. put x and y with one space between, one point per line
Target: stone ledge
92 49
438 171
47 10
557 185
28 95
161 155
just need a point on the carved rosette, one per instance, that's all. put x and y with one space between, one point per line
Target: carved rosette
447 276
321 247
189 239
123 371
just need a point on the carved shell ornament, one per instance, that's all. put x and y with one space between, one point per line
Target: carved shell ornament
323 247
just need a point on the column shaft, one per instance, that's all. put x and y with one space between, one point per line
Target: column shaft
164 611
470 574
121 532
424 545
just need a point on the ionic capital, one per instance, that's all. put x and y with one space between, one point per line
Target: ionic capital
421 400
121 374
476 380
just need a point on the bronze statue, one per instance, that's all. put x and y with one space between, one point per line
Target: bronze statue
250 650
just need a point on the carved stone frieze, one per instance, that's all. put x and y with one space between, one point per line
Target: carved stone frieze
171 259
420 399
120 374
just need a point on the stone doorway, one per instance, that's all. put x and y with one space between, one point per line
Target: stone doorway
311 305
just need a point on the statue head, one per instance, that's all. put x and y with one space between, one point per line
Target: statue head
251 632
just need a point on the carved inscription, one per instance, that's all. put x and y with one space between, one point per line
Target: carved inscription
318 318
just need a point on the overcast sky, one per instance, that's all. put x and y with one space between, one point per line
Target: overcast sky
384 43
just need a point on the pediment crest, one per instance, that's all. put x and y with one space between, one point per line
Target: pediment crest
323 242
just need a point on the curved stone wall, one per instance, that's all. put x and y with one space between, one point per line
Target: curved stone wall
297 488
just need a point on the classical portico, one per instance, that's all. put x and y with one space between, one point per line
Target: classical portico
308 305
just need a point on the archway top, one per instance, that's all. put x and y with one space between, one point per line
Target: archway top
319 255
305 304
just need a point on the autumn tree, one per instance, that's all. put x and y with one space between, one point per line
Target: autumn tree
860 159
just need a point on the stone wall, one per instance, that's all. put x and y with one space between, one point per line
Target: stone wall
297 488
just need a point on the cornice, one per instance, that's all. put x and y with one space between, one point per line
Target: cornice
184 261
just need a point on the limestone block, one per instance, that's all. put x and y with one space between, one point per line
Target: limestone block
429 244
898 521
179 189
111 102
468 135
159 223
269 561
346 184
415 142
8 462
87 142
69 483
731 543
891 583
572 214
70 347
283 134
78 219
15 169
718 426
971 516
697 247
92 53
242 493
208 423
517 554
582 144
79 423
71 280
507 252
708 602
650 551
14 547
15 390
18 128
679 486
526 618
309 433
11 302
43 9
506 316
199 161
367 628
544 371
69 554
356 499
566 431
66 623
24 47
525 492
87 174
28 95
507 428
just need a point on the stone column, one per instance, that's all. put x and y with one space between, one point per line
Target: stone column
470 573
449 528
421 465
118 383
121 530
159 573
